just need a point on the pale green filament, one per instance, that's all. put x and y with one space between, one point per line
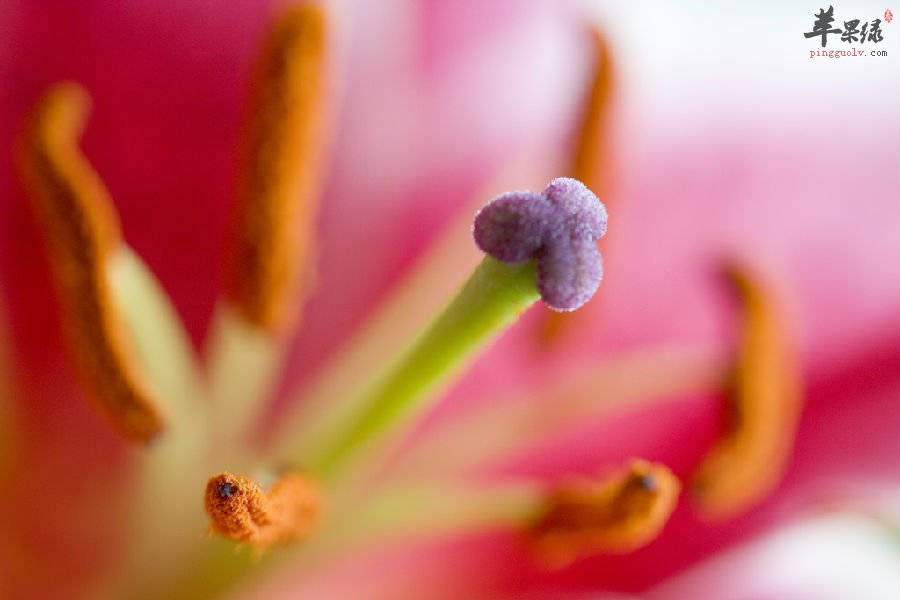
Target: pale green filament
491 299
418 511
505 425
244 361
165 487
434 508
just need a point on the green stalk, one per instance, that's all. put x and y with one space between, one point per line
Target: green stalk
493 297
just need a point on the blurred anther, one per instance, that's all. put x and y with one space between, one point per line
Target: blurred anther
590 146
76 215
764 406
614 515
271 241
590 160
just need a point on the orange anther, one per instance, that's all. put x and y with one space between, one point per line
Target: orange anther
614 515
764 402
242 511
76 214
271 253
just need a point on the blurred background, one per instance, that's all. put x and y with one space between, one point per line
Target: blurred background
725 137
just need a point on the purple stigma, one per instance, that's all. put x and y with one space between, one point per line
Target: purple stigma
559 228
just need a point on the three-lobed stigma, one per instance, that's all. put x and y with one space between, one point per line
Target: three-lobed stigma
559 228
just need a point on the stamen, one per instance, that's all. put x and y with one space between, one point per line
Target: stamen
591 149
590 161
74 209
765 401
242 511
271 241
557 229
615 515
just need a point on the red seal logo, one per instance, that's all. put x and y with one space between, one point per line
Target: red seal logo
888 16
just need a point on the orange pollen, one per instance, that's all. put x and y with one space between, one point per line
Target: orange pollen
76 214
242 511
764 406
614 515
591 162
271 253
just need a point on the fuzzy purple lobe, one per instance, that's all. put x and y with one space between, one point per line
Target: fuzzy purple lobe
559 228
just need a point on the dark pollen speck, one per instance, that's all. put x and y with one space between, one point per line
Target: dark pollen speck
226 490
647 482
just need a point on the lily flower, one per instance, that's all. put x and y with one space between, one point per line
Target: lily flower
263 336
